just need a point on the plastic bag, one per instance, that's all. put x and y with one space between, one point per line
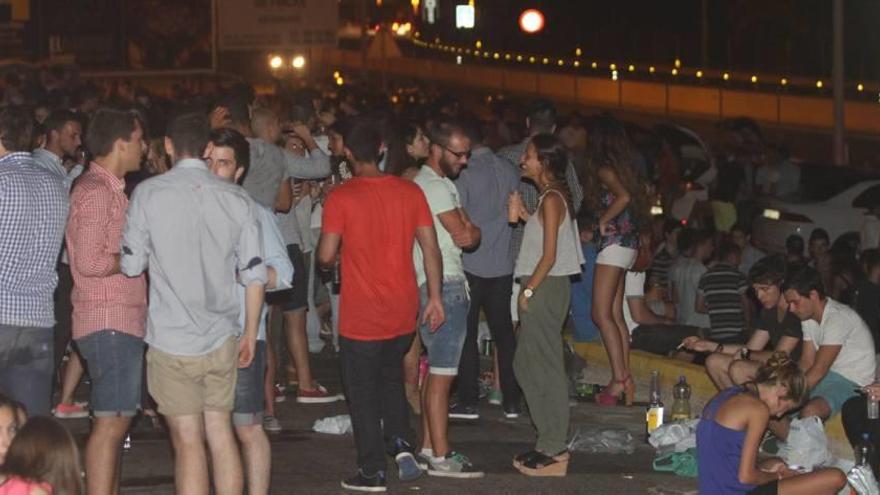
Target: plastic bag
334 425
862 479
807 445
675 437
602 441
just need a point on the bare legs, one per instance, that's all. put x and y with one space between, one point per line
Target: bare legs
608 315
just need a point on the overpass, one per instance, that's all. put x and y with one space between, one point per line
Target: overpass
650 97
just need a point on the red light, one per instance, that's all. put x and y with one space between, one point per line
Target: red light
531 21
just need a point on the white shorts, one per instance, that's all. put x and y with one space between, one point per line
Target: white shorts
617 255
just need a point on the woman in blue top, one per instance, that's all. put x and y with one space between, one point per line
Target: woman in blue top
616 194
732 426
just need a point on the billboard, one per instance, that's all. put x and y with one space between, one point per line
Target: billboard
276 24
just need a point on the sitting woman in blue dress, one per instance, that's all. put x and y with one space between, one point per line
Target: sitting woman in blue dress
732 426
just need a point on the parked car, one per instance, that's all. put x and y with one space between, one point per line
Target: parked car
833 198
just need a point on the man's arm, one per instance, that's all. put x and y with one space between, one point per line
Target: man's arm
314 166
328 249
464 234
87 232
252 273
642 314
135 237
822 362
700 303
427 239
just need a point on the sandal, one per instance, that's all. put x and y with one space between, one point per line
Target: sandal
520 459
544 465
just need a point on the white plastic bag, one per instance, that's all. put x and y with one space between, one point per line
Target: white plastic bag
675 437
334 425
807 445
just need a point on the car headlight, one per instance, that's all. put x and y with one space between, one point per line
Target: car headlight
772 214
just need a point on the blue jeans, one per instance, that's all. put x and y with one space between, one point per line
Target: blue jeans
248 409
445 344
115 361
582 298
26 366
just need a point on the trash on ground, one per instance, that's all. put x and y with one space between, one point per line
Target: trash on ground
334 425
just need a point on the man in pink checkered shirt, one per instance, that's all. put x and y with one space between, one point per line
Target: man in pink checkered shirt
109 309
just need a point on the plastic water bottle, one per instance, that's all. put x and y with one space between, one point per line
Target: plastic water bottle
654 416
681 407
864 451
873 407
337 277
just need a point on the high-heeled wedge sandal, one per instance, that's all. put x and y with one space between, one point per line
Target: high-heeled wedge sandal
628 393
542 464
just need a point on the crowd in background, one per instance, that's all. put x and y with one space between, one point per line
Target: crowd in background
542 220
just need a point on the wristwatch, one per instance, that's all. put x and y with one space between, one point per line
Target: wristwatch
528 292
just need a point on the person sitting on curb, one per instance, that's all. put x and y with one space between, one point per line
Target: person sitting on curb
838 352
778 328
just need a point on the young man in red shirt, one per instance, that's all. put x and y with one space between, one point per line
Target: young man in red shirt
377 218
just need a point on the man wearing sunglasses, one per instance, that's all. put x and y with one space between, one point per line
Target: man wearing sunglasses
449 153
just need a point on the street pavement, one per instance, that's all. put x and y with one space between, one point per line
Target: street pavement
305 462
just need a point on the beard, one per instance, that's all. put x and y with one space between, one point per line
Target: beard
449 168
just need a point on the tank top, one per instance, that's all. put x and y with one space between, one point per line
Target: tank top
569 255
621 230
719 450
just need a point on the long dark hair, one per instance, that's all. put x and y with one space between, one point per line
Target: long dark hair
43 451
399 135
554 156
608 146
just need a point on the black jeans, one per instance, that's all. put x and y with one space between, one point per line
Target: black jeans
854 416
63 313
372 374
492 295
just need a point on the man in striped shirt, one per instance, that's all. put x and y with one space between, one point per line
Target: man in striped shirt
722 293
109 309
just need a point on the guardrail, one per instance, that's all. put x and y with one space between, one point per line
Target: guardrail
651 97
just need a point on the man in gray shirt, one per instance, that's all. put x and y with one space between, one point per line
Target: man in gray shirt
197 234
484 187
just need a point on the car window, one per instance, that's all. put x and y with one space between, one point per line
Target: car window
868 198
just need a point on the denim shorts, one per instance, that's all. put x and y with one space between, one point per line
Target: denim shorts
835 389
115 361
26 366
249 395
445 344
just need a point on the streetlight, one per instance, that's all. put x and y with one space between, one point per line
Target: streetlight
531 21
276 62
298 62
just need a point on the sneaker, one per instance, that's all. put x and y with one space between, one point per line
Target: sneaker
512 412
423 460
454 465
279 393
363 483
271 424
319 395
495 397
70 411
461 411
407 467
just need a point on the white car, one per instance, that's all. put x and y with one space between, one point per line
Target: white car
841 212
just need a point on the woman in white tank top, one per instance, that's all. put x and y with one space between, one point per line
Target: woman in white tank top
550 253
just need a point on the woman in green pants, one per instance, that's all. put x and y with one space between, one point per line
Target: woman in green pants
550 253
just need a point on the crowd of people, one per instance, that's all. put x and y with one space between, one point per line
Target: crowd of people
190 256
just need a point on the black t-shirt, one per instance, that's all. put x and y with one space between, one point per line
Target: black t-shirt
867 305
790 326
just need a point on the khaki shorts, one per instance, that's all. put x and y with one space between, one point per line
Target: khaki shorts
184 385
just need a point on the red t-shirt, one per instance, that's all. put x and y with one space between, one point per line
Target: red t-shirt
377 218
